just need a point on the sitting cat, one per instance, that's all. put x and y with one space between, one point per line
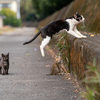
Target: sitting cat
69 25
56 69
4 64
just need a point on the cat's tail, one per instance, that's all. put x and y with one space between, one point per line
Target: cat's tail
33 38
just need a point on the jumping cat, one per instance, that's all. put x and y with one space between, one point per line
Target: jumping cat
69 25
4 64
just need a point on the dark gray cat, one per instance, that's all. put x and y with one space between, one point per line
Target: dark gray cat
4 64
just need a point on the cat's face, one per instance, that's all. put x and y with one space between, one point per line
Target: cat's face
79 18
5 57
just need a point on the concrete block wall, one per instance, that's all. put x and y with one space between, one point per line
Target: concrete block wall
81 52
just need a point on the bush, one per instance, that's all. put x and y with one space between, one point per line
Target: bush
10 18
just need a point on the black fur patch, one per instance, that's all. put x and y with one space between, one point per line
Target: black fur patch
54 27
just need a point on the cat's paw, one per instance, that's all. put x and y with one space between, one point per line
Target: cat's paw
3 74
43 55
79 37
84 36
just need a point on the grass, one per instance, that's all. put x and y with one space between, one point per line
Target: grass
62 42
92 81
63 47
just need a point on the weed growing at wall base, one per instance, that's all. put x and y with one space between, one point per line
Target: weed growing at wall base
92 81
63 48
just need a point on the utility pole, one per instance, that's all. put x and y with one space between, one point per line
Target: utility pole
18 9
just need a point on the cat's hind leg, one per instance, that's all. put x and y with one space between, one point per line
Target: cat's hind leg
43 44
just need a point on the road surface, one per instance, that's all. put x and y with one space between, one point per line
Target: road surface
28 79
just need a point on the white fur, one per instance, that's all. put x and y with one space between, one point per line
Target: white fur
43 44
73 30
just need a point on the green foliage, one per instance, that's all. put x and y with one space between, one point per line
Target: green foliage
27 11
92 81
7 12
62 43
12 21
90 94
10 18
63 48
47 7
32 10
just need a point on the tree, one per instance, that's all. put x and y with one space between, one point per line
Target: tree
27 11
32 10
43 8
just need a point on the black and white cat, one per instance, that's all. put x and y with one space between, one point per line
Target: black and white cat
69 25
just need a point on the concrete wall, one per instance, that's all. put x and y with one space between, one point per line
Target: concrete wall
79 52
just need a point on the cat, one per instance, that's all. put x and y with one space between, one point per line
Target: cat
4 64
69 25
56 69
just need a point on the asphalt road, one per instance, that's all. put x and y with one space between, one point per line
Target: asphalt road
28 79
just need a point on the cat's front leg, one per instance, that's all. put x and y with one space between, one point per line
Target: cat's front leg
74 34
83 36
76 31
4 71
7 70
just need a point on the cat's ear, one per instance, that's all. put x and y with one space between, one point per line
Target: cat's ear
3 55
8 54
75 16
76 13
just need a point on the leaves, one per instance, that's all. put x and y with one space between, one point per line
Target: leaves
47 66
76 90
46 7
62 42
92 35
